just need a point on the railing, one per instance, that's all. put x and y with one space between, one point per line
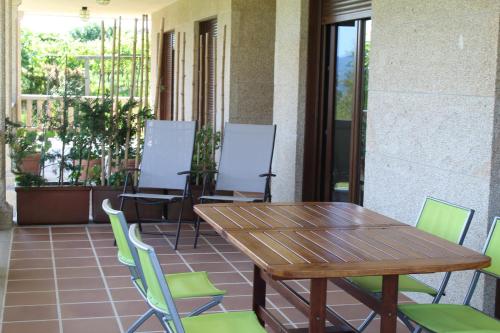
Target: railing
31 109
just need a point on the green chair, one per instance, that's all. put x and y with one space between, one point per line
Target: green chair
160 296
183 285
455 318
436 217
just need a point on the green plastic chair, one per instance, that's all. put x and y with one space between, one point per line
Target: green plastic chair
437 217
451 318
183 285
160 296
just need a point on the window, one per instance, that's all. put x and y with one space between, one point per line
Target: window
167 77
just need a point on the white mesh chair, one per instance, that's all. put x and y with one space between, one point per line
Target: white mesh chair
166 165
244 165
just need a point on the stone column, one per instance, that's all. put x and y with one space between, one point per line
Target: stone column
5 103
290 62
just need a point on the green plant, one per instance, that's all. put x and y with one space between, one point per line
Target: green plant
207 142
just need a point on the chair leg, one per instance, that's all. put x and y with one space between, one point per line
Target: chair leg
367 321
140 321
179 224
196 231
215 300
137 214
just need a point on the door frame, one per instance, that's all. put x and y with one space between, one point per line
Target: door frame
318 150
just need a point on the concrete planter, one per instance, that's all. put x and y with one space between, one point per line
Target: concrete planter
53 205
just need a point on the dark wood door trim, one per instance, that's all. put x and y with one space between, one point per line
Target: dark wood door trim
314 60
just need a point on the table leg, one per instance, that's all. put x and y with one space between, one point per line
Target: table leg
389 309
259 293
317 302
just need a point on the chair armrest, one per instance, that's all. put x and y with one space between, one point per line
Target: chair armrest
267 175
187 172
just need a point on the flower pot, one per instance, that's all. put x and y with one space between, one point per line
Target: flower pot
53 205
100 193
90 164
31 164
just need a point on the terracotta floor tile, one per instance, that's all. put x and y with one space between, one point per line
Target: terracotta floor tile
31 246
237 303
73 253
100 325
86 310
68 230
151 325
30 238
30 285
30 263
236 288
230 277
32 298
202 257
126 294
116 271
78 272
38 273
83 296
119 282
131 308
169 259
29 313
71 244
80 283
213 267
175 268
30 254
31 230
75 262
69 237
48 326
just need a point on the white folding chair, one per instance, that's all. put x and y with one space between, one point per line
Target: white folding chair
166 164
244 165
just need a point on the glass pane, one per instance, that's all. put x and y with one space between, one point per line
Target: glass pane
366 69
345 63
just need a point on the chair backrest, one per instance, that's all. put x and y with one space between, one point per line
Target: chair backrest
492 248
168 149
120 231
247 152
158 293
445 220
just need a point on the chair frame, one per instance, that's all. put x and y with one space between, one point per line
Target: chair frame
474 281
134 189
137 274
167 295
209 175
444 282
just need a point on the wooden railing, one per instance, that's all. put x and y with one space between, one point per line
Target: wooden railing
31 109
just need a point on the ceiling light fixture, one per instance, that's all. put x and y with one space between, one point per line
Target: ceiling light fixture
103 2
84 14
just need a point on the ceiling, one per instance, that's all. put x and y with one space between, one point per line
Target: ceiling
72 7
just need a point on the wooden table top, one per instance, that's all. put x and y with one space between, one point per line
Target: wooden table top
326 240
311 215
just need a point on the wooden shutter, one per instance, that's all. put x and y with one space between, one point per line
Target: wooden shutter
167 78
206 68
333 11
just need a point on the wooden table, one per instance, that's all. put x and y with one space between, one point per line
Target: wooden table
331 241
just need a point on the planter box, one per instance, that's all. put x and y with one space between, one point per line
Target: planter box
99 193
53 205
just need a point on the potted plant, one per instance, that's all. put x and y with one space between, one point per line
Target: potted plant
62 201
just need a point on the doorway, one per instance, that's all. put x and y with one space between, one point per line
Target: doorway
341 131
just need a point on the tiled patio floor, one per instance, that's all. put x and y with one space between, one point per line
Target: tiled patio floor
67 279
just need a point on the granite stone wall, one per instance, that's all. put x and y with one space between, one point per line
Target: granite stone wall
433 115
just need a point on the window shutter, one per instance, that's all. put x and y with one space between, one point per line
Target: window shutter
167 79
207 28
333 11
